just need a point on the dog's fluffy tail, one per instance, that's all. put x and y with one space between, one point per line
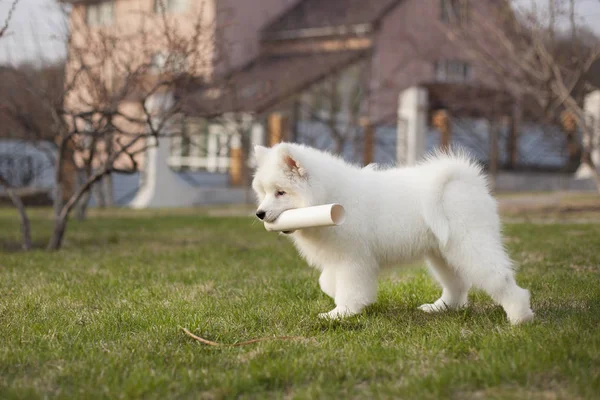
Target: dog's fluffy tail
445 167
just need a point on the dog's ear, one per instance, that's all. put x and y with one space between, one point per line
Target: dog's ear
259 153
293 165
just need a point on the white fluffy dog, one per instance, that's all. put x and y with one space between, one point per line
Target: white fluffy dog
440 209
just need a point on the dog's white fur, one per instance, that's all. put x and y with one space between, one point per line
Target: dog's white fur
440 209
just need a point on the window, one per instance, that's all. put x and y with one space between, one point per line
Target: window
453 71
199 147
170 6
174 62
99 14
454 10
158 61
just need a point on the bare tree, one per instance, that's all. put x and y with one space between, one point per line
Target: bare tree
11 10
118 99
528 54
337 104
16 200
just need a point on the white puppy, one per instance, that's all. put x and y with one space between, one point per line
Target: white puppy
440 209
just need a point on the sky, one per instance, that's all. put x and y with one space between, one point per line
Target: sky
38 26
588 11
36 31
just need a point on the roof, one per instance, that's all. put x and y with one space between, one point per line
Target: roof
266 82
477 101
312 16
468 100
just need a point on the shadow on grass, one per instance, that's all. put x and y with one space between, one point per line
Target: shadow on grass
574 312
409 314
11 246
355 323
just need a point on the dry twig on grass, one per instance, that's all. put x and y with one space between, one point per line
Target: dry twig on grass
252 341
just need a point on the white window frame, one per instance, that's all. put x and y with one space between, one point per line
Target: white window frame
215 158
171 6
100 13
163 62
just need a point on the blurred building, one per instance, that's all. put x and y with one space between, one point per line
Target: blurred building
292 64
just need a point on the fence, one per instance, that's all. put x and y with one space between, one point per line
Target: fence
539 147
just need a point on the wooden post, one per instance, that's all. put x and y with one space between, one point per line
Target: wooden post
235 167
278 128
441 121
569 124
369 141
236 162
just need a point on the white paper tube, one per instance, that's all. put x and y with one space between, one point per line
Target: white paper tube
308 217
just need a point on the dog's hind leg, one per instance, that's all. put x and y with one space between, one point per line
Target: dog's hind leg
355 288
482 257
327 282
454 287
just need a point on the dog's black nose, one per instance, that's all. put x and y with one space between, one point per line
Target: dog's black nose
261 214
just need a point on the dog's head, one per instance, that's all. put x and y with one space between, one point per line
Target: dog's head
281 182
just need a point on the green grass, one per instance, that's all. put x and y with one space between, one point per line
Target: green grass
100 319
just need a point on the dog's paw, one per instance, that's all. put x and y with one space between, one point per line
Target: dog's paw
523 318
337 313
433 308
440 306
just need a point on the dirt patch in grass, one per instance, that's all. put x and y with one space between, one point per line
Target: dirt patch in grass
575 207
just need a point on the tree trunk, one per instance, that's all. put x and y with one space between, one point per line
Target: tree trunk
107 186
107 182
60 226
60 222
82 205
16 200
58 176
99 194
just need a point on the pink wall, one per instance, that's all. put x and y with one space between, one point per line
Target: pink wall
411 38
143 36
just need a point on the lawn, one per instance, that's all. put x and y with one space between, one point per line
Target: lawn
102 318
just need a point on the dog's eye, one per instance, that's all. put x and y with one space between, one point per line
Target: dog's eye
279 193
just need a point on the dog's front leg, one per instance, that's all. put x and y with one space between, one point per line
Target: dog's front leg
327 282
355 288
